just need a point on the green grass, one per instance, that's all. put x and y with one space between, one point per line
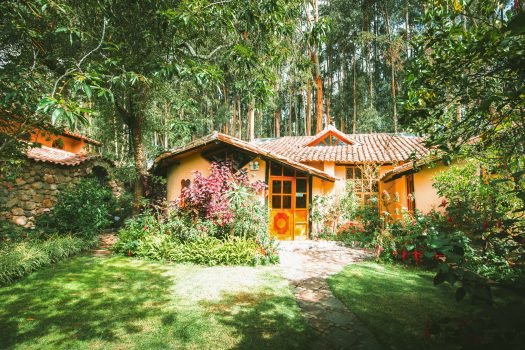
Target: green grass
121 303
396 302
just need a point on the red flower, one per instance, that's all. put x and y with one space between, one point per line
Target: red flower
353 231
145 227
404 255
443 203
394 253
361 229
439 256
485 224
168 232
129 252
499 223
449 219
417 256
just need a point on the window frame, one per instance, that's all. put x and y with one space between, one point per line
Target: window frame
365 183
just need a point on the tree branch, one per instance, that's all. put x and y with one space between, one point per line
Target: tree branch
204 57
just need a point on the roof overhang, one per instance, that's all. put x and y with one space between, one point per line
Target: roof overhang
210 141
407 169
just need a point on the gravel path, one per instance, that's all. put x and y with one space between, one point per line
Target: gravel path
307 264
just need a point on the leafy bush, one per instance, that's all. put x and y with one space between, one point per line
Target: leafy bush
329 211
12 233
181 239
207 197
172 237
19 259
219 220
84 208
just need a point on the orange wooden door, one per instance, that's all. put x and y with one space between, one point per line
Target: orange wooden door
281 212
288 201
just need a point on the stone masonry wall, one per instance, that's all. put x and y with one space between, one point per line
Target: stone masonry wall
38 186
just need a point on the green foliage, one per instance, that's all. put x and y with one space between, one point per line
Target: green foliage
329 211
465 86
21 258
180 238
249 213
83 209
12 233
487 212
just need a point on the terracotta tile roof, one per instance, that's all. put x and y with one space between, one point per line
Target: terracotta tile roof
57 156
408 168
81 137
251 147
377 148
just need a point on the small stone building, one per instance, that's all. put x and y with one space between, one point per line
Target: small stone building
49 169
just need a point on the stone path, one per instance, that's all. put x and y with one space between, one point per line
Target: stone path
106 241
307 264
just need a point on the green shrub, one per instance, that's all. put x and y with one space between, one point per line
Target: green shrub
83 208
202 251
21 258
178 238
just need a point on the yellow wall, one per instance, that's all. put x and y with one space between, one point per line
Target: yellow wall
196 162
426 195
256 175
185 170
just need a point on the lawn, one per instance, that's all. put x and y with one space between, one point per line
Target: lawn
396 303
122 303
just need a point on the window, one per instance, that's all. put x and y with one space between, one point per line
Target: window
365 179
331 140
281 194
411 200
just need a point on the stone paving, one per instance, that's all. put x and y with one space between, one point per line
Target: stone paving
107 240
307 264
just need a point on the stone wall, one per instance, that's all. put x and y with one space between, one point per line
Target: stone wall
38 186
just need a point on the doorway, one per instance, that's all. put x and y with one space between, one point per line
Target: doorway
288 202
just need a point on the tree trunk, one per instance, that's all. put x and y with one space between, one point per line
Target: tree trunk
354 119
251 122
240 117
309 108
328 93
393 70
234 117
138 155
318 81
370 74
290 115
277 124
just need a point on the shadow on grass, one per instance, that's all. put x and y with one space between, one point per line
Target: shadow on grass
81 300
262 320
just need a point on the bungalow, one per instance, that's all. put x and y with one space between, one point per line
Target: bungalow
58 160
296 168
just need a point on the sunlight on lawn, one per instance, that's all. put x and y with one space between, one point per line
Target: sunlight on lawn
122 303
396 303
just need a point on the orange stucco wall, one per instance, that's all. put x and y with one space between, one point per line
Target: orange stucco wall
185 169
69 144
426 195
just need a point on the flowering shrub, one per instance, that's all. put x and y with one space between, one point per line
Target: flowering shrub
207 197
329 211
219 219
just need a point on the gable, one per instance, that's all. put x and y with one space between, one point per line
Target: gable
331 137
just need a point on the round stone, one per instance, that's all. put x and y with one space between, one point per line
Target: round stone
20 220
